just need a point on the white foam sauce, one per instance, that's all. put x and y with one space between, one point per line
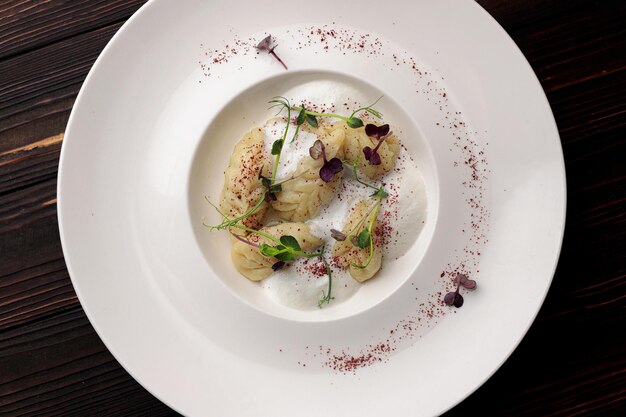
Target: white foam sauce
403 212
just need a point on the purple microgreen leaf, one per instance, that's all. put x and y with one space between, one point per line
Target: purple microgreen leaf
375 158
383 130
278 265
367 152
265 44
459 278
326 173
317 149
337 235
470 284
330 168
269 197
376 131
458 300
449 298
371 130
453 299
335 165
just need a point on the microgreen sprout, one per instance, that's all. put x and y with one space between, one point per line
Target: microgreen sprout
266 45
361 234
379 192
454 298
287 249
329 168
271 189
228 223
326 296
277 146
352 121
379 133
363 238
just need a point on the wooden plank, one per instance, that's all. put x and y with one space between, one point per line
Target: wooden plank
58 366
30 24
38 88
512 15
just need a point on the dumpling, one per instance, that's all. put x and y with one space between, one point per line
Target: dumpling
302 197
254 266
356 140
346 254
242 187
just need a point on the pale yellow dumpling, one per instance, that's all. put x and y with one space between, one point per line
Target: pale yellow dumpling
242 188
356 140
256 267
347 255
302 197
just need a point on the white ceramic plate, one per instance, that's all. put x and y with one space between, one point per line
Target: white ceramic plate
142 150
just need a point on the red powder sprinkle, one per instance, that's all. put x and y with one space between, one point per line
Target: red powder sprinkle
468 159
347 363
314 267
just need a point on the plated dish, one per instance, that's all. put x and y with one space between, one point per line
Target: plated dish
481 185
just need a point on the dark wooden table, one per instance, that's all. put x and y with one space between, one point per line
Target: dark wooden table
573 360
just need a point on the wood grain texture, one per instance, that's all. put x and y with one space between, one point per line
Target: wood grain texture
27 25
573 360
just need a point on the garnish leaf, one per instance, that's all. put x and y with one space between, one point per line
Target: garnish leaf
290 242
277 147
377 131
278 265
354 122
363 241
285 256
310 119
317 150
464 281
337 235
330 168
301 116
375 158
265 43
453 299
380 194
372 155
367 151
267 250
